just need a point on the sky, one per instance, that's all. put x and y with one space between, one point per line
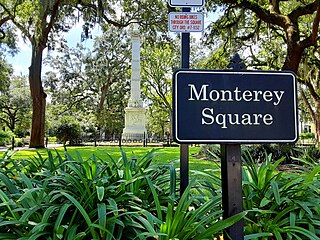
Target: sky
21 61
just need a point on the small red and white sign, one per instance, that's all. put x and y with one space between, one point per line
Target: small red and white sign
186 22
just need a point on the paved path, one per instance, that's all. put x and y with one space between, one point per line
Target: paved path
3 149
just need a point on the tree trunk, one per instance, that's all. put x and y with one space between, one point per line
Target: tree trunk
104 91
316 121
38 99
293 58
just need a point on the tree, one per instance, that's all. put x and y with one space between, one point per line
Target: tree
94 81
275 34
15 106
310 74
5 73
110 63
247 21
40 21
157 65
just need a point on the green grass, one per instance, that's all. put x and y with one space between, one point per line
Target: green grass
164 155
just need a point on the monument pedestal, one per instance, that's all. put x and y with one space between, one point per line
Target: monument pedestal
135 120
135 113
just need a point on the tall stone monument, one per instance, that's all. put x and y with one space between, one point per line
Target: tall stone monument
135 113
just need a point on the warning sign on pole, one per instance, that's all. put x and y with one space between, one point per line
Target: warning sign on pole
186 22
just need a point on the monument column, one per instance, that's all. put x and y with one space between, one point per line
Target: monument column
135 118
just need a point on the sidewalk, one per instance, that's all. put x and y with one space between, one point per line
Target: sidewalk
3 149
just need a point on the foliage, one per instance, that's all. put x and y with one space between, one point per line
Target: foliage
5 73
259 29
309 75
157 65
280 205
64 197
19 142
93 82
283 205
5 138
210 151
68 129
69 197
288 152
306 135
15 106
276 151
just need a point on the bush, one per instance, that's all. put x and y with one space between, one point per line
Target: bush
52 139
19 142
5 138
130 198
307 135
284 205
210 151
68 130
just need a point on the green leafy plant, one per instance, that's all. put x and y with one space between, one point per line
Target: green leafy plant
68 129
306 135
5 138
284 205
68 197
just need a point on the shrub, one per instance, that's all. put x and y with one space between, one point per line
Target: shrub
19 142
5 138
103 198
68 130
210 151
307 135
275 151
52 139
284 205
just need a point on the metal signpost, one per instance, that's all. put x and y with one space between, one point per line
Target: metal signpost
185 22
184 148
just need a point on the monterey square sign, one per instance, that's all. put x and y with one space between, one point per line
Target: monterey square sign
234 107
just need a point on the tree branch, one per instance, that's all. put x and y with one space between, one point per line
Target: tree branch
104 17
307 103
312 91
304 10
269 17
312 39
5 19
52 20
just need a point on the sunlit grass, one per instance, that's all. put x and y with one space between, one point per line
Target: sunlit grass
163 155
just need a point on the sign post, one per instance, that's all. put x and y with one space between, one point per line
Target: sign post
184 148
185 22
231 176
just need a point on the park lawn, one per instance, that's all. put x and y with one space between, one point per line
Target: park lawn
162 155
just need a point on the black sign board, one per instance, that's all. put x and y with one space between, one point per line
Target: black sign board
234 107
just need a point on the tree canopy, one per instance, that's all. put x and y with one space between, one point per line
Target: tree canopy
41 21
93 81
292 26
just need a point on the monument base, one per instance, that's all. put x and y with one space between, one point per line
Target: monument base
135 120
